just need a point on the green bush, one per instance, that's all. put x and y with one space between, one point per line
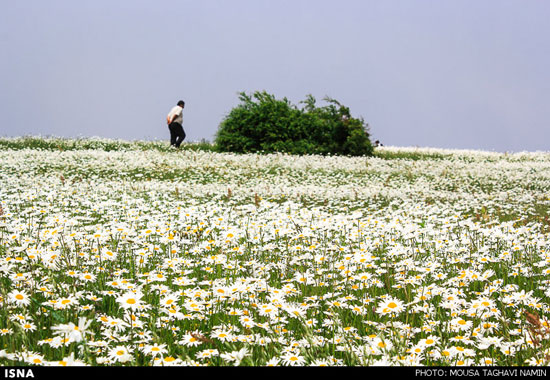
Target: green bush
261 123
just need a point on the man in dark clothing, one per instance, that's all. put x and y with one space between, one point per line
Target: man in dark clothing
175 121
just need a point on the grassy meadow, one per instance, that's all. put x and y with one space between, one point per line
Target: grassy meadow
135 254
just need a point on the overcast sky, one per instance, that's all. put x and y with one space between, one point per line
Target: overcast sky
429 73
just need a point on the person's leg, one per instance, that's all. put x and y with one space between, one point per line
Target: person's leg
181 135
173 134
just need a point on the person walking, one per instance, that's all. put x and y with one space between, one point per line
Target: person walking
175 121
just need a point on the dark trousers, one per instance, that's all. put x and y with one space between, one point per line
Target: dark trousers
177 134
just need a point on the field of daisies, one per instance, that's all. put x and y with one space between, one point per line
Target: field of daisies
130 253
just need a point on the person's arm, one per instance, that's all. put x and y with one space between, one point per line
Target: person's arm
171 120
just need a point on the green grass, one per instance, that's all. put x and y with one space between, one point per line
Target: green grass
108 145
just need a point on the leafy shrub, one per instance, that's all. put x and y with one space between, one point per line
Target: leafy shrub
261 123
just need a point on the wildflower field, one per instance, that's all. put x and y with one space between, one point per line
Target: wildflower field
119 253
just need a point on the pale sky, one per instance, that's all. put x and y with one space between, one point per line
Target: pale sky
465 74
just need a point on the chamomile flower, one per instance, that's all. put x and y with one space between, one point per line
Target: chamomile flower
273 362
28 326
222 335
191 340
155 350
120 354
292 359
33 358
208 353
19 298
130 300
390 306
